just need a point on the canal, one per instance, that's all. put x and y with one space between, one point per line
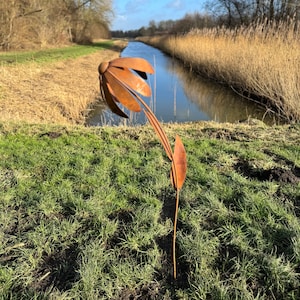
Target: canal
178 95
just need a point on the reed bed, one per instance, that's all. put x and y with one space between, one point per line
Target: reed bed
44 95
59 92
261 60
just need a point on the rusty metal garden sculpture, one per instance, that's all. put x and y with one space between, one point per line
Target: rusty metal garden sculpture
118 84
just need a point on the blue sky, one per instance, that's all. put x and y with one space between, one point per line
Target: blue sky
133 14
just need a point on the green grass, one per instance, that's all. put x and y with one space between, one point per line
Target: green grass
86 213
51 55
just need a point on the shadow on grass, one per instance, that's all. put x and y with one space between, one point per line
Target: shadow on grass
58 271
165 274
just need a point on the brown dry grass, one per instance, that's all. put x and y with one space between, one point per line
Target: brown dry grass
60 92
262 60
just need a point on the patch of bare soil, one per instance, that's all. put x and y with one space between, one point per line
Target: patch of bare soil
60 92
273 174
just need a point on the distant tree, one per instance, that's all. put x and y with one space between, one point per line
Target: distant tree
10 13
164 26
125 34
191 21
84 14
142 31
236 12
36 23
152 28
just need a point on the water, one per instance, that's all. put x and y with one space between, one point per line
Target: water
180 96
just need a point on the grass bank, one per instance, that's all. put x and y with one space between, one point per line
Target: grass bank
52 54
261 61
86 213
52 86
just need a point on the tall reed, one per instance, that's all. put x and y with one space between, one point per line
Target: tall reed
261 60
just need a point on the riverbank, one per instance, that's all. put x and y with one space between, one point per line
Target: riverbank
86 213
58 92
261 61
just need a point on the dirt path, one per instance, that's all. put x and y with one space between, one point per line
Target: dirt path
58 93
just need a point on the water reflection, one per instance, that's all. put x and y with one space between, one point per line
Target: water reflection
180 96
219 103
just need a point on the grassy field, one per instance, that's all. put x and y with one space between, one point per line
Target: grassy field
261 61
86 213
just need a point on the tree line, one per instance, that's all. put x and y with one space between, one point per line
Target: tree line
228 13
194 20
243 12
40 23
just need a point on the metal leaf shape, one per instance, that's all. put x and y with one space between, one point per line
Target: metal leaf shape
119 84
179 164
121 93
159 131
131 80
134 63
106 94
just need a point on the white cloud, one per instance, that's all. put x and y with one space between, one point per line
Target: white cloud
122 17
175 4
135 5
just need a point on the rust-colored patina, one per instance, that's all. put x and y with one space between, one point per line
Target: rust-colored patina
118 84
